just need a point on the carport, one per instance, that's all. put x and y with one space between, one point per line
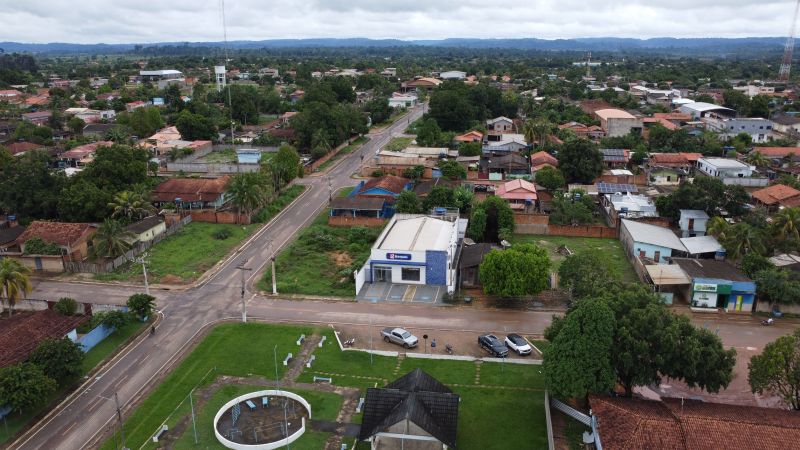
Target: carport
668 279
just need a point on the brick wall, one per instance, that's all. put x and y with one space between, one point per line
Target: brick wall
346 221
531 219
212 216
592 231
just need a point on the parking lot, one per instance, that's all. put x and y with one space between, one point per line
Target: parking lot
464 343
391 292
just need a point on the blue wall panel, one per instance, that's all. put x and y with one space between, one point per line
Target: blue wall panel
436 270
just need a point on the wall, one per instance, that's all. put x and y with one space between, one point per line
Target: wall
650 251
539 224
310 168
52 264
436 270
347 221
620 127
212 168
256 396
89 340
212 216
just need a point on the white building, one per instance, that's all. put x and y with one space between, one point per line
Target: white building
699 110
453 75
759 129
219 77
616 122
398 100
415 249
724 168
753 90
162 78
631 206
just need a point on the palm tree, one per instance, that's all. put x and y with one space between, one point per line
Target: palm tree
247 193
128 204
111 240
787 223
742 239
14 281
756 158
537 131
718 227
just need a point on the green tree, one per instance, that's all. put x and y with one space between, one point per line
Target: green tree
737 100
111 240
752 263
143 121
777 370
759 106
23 386
408 203
537 131
247 193
414 173
786 225
30 188
470 149
379 110
66 306
572 208
429 133
577 362
587 274
523 269
580 161
195 126
742 239
463 198
128 204
777 286
83 201
491 218
14 282
451 109
59 359
141 305
75 125
284 164
550 178
452 170
439 197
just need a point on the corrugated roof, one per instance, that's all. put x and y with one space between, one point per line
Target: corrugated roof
701 244
190 189
417 234
613 113
653 234
710 268
358 203
667 274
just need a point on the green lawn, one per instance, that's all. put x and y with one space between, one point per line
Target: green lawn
222 156
345 151
398 143
448 372
230 349
540 344
184 256
610 250
322 259
512 375
493 419
324 406
15 421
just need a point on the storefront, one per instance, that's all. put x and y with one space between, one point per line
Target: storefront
730 295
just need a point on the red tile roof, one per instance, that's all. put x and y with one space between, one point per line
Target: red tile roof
23 332
776 194
391 183
61 233
470 136
628 423
517 190
190 189
543 157
86 149
777 152
673 116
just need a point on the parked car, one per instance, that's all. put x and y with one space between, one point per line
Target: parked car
493 345
519 344
400 337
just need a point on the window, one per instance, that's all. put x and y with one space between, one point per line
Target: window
657 256
409 274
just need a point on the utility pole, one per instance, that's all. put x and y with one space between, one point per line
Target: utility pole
274 279
241 267
119 418
330 190
144 271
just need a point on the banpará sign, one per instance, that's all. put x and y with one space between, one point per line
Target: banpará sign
705 287
398 256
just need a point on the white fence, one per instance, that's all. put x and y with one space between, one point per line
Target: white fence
212 167
746 182
361 278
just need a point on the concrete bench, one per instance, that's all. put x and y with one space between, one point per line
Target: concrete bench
301 339
310 361
287 359
323 379
264 401
360 405
322 341
160 431
250 405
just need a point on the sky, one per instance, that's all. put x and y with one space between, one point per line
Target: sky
147 21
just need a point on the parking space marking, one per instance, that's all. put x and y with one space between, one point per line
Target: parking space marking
409 295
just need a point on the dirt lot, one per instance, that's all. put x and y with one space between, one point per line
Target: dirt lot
464 343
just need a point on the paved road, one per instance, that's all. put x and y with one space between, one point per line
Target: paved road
87 419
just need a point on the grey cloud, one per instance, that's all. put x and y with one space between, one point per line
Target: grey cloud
91 21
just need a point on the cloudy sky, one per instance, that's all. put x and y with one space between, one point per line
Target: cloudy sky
142 21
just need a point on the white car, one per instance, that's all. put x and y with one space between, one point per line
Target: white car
518 344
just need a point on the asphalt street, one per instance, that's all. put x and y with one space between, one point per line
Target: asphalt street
86 418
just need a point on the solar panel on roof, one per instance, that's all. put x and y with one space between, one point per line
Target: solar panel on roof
611 188
613 151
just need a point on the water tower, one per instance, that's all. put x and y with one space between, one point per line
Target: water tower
219 76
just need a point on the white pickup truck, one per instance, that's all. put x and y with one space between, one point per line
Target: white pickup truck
400 337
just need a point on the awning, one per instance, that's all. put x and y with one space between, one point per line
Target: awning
664 274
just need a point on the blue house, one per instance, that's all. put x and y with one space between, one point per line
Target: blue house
717 284
649 241
386 188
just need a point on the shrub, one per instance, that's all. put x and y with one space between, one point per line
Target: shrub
222 234
36 246
59 359
377 173
113 319
23 386
66 306
141 305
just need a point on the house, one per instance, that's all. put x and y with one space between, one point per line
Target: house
10 95
504 143
415 411
643 240
693 222
398 100
777 196
686 424
700 110
593 132
355 206
421 83
73 238
469 136
82 154
169 138
453 75
728 170
37 117
500 124
163 78
616 158
625 205
286 117
192 193
616 176
705 247
147 229
752 90
505 167
132 106
786 124
779 153
670 168
717 284
296 96
470 261
520 194
416 249
98 130
422 189
759 129
387 187
542 159
616 122
24 331
8 239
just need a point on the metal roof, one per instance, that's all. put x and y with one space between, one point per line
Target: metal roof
653 235
693 214
612 188
663 274
417 234
701 244
703 107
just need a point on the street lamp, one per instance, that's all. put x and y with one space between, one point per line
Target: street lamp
143 262
119 418
241 267
272 258
330 190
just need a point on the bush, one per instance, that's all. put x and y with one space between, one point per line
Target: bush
23 386
59 359
377 173
141 305
222 234
36 246
112 319
66 306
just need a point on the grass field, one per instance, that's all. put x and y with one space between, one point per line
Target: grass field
610 250
241 350
282 201
343 152
322 259
324 406
398 143
15 421
184 256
